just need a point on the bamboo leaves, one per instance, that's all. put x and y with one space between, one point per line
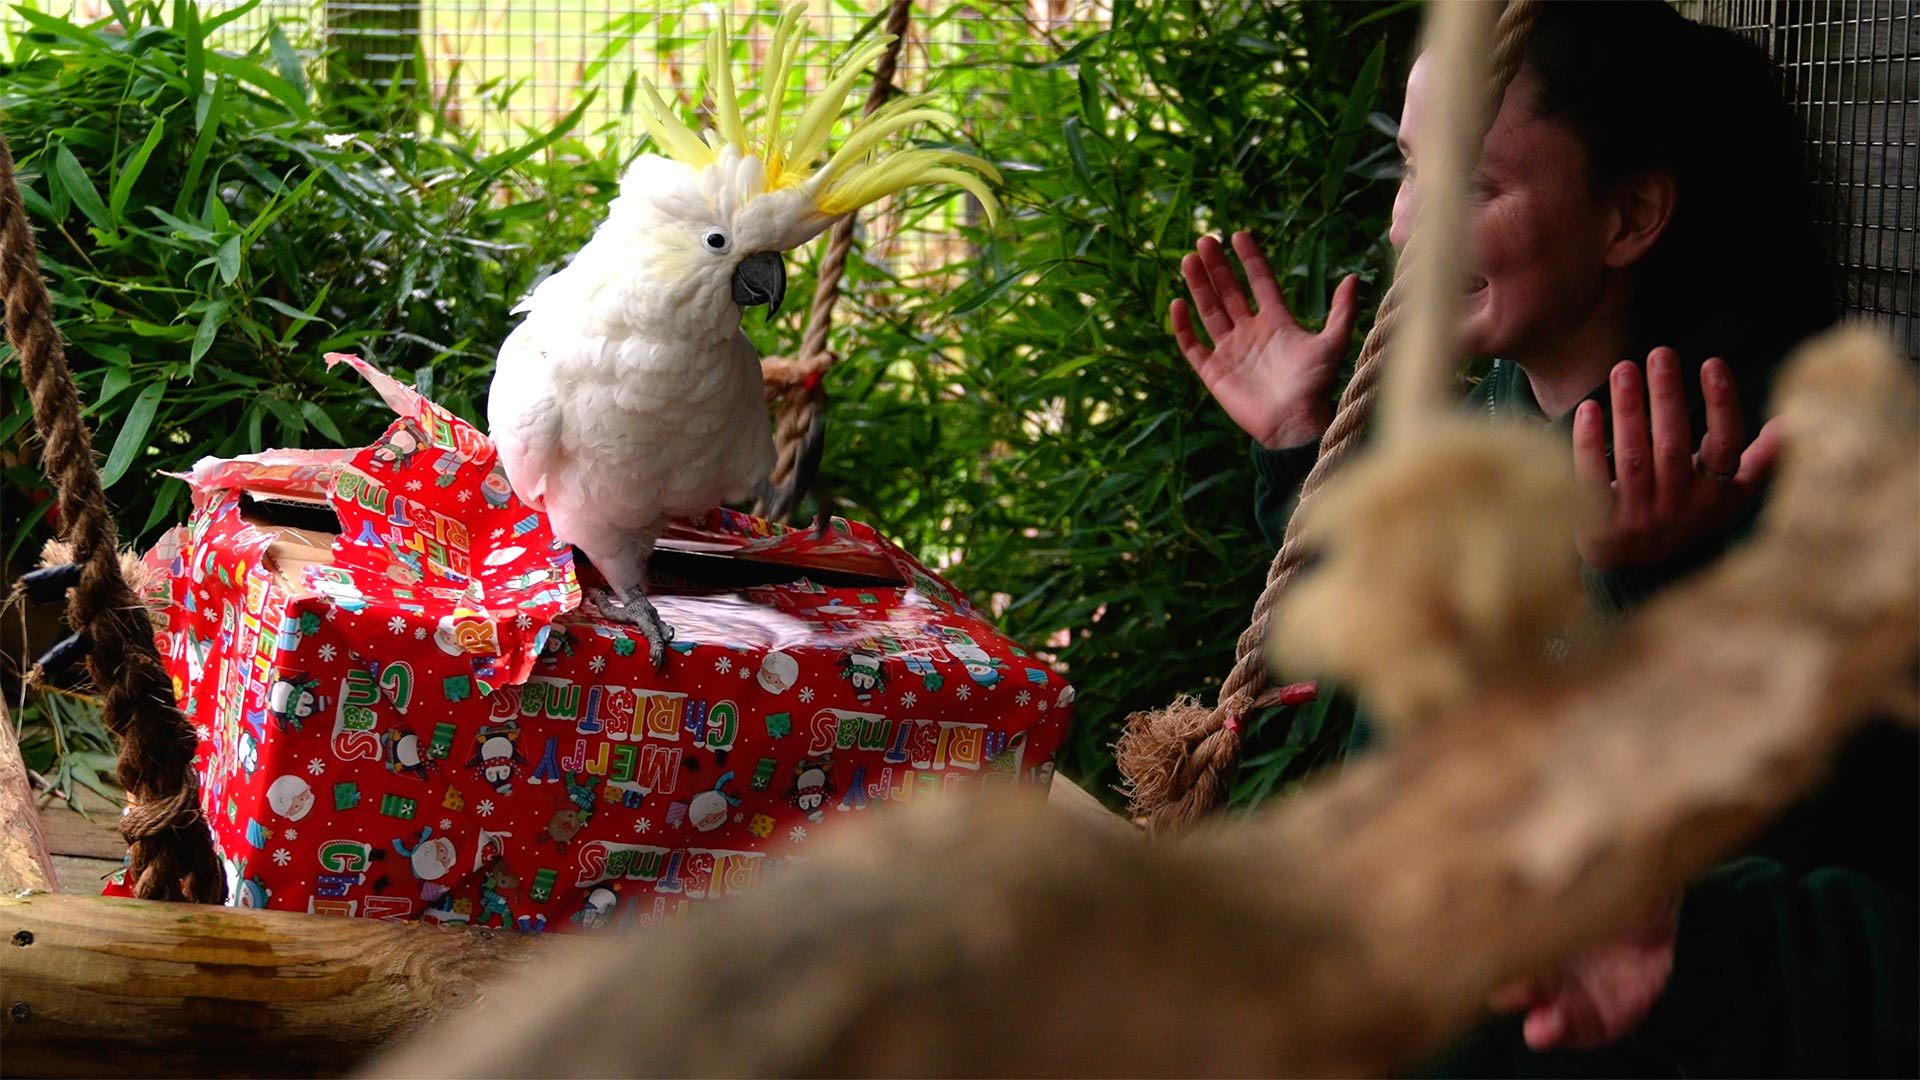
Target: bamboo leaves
207 233
132 438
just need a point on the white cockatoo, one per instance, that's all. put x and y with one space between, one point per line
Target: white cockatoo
629 395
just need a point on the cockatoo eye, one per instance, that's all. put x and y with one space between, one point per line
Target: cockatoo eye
716 239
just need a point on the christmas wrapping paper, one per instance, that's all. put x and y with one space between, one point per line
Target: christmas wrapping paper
404 712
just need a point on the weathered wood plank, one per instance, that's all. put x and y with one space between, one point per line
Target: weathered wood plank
68 832
80 875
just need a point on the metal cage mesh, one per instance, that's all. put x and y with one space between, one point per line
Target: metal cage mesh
511 68
1852 68
509 71
504 69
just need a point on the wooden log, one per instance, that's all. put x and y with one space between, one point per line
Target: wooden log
91 984
96 985
24 862
1077 802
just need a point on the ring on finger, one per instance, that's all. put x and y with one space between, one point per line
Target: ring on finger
1700 465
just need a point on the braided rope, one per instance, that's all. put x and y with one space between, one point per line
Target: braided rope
800 390
171 853
1178 762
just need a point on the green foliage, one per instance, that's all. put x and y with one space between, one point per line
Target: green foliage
1016 416
62 738
209 228
1023 415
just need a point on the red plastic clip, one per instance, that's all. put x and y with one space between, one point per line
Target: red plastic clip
1233 722
812 381
1299 693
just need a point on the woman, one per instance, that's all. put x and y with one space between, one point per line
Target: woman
1589 251
1643 254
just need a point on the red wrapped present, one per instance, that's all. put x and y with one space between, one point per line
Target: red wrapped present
404 713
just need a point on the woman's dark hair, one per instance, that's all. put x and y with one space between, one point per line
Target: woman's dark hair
1741 268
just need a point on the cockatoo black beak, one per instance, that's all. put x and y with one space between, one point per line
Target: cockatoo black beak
761 278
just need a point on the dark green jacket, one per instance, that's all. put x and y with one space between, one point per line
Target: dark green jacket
1799 959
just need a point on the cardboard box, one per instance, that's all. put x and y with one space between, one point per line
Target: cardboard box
405 714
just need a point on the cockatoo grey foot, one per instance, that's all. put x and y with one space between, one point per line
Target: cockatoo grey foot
634 609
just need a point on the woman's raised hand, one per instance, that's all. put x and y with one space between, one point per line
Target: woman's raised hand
1661 496
1273 376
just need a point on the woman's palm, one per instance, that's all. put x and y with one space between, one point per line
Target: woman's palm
1269 373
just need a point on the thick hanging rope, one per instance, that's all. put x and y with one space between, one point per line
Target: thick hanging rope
171 852
798 386
1178 762
1424 361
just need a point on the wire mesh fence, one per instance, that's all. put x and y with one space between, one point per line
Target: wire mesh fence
504 68
1852 68
508 72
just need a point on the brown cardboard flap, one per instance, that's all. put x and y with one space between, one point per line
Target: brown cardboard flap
303 532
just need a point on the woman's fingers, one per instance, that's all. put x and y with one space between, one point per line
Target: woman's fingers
1199 283
1720 456
1756 464
1672 435
1546 1025
1343 309
1181 316
1663 496
1225 285
1632 454
1590 450
1266 290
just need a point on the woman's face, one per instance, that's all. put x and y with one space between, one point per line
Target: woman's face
1538 262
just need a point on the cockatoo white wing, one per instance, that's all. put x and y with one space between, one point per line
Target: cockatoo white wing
525 416
624 431
750 446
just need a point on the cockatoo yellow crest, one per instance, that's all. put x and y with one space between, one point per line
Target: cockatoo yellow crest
857 173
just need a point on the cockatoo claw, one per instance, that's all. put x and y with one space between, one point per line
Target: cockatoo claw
635 610
658 634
